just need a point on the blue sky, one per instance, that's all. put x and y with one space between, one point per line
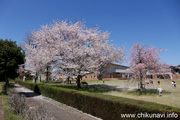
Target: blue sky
155 22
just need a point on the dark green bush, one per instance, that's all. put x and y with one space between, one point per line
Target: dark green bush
103 106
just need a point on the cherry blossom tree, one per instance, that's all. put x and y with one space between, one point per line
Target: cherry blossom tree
40 53
33 62
86 51
143 60
73 49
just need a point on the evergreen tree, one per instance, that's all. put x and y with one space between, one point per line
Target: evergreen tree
11 56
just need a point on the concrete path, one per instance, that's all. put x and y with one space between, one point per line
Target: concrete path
58 110
1 109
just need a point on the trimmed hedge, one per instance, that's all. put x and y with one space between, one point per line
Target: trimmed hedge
103 106
31 86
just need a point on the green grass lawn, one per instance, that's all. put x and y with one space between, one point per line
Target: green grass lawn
171 95
126 88
92 89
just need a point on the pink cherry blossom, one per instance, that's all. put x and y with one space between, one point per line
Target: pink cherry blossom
71 49
143 60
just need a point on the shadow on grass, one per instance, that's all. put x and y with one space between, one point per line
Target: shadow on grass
89 88
146 92
103 88
95 88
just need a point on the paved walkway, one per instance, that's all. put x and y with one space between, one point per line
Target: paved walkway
1 109
57 110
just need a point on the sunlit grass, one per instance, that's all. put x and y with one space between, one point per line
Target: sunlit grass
171 95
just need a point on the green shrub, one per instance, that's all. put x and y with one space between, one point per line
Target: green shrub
103 106
31 86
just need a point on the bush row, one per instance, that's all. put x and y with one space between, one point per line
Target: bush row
102 106
31 86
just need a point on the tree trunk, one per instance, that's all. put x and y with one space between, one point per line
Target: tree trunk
78 81
100 77
7 83
141 85
68 81
34 79
24 78
40 78
47 75
141 81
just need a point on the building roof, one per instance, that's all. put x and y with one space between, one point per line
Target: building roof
119 65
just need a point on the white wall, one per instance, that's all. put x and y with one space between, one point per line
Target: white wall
112 68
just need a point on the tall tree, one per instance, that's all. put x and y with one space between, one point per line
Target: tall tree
34 57
145 59
11 56
73 49
39 56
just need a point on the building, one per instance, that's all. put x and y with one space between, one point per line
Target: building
164 74
173 72
175 69
113 71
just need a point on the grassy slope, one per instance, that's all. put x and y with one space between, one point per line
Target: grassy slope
8 114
